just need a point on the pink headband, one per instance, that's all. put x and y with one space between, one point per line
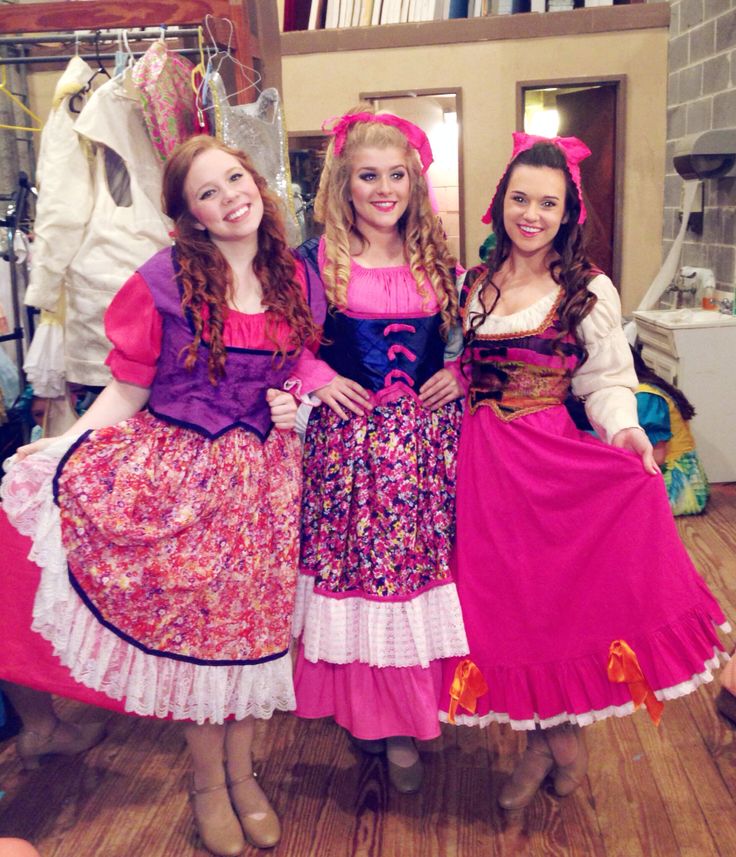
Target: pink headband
413 133
574 151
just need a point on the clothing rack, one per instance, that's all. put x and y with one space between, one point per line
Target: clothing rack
106 35
254 41
14 215
248 31
29 60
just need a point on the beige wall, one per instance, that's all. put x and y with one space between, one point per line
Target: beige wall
317 86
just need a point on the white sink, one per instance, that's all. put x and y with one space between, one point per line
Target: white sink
685 317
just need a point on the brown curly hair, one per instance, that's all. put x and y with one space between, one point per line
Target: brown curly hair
205 275
571 268
425 244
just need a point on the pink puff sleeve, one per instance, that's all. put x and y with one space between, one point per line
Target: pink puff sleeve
133 325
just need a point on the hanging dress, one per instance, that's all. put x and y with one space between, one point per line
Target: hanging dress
566 547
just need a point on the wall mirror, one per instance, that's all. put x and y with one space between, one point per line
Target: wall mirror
438 112
593 110
306 156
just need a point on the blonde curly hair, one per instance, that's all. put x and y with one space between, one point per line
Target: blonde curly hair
425 245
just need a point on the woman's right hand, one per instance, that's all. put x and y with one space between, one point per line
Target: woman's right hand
32 448
342 395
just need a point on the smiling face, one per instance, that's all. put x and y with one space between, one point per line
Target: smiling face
534 207
223 198
380 187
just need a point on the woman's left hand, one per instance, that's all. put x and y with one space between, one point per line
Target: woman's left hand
440 389
636 440
283 408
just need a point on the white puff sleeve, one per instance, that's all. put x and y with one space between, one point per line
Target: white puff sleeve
607 380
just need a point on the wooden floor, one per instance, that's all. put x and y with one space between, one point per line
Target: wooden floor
650 792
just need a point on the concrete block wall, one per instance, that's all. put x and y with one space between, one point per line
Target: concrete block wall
702 96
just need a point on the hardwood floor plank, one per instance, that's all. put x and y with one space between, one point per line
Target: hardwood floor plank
629 807
649 793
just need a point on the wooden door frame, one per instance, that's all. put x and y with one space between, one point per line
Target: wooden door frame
446 90
619 138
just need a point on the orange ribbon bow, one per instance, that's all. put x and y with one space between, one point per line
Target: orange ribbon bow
467 685
623 666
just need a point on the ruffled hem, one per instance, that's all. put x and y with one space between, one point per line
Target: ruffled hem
585 718
371 703
674 659
415 632
44 363
150 685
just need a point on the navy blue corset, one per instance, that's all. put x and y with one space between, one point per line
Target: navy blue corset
377 352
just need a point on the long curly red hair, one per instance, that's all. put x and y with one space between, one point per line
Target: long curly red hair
206 277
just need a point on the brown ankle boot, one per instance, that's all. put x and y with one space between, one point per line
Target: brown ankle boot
570 756
528 775
67 739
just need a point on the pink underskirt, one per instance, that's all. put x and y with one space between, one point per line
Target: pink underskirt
370 702
25 657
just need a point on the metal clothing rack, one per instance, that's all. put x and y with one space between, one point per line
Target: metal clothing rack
11 222
247 29
253 40
99 37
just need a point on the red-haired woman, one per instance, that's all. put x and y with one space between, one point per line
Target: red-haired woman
166 520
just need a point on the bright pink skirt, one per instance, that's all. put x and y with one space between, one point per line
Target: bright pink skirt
26 658
371 702
565 545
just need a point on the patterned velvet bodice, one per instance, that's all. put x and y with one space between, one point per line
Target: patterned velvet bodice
520 371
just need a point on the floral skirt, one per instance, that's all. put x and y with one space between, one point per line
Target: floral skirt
169 564
375 589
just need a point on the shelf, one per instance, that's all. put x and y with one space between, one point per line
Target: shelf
599 19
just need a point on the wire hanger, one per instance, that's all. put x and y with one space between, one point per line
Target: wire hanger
74 105
123 55
251 75
38 122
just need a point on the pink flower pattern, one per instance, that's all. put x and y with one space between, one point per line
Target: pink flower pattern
377 515
185 546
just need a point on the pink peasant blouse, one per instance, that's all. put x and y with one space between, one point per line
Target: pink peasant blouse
133 325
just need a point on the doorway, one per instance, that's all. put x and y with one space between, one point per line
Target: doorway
593 110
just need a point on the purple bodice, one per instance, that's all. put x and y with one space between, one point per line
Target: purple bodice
186 397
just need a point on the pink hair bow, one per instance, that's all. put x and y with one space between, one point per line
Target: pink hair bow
413 133
574 151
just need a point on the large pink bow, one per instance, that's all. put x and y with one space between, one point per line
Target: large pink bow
413 133
574 151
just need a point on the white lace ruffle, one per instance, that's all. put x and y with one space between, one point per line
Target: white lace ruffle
382 634
585 719
44 363
96 657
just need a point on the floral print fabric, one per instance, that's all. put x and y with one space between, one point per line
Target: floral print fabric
378 499
184 546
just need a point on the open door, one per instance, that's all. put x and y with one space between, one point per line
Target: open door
590 114
593 111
